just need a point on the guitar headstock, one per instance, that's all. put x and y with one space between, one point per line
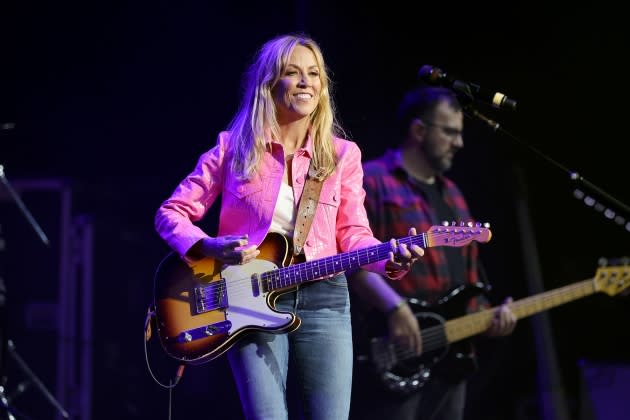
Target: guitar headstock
613 276
458 235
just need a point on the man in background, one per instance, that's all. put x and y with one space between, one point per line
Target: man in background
407 187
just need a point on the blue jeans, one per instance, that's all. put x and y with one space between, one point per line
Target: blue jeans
317 356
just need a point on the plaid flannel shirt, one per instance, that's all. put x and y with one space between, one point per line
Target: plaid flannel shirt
394 205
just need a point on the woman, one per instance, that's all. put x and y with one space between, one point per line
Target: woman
285 125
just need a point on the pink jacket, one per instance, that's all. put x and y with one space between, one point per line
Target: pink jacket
340 223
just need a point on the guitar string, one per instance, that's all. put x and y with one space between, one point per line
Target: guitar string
433 338
217 289
301 270
522 308
420 239
212 298
429 340
292 274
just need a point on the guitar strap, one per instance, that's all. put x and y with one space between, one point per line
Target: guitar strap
306 210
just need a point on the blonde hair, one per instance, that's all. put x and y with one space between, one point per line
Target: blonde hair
257 111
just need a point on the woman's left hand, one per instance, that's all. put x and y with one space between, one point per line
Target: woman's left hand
401 257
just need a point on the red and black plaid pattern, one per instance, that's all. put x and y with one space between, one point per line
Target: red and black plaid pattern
394 205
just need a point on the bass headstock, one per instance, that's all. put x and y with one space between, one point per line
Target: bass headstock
613 275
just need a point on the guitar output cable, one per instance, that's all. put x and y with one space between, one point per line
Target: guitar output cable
180 369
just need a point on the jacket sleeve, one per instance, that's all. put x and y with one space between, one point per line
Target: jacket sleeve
174 220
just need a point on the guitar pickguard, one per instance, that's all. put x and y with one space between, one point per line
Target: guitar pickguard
245 309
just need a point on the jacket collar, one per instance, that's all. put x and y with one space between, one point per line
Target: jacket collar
306 149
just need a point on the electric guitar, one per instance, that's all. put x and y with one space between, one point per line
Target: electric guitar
203 309
400 370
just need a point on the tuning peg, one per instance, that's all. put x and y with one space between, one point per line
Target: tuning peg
602 262
617 261
486 225
469 224
453 223
445 223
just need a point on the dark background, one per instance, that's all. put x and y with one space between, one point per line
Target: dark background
118 99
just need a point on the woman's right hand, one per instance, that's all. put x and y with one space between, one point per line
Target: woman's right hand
230 249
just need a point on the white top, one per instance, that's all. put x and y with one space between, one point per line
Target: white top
285 212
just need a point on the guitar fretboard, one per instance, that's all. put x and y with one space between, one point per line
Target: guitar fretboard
469 325
313 270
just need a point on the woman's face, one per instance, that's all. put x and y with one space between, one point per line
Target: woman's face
296 94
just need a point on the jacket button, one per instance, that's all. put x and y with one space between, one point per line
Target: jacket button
240 188
298 180
309 243
335 197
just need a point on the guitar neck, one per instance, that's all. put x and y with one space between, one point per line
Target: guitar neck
312 270
473 324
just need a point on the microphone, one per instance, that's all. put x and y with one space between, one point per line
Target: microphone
435 76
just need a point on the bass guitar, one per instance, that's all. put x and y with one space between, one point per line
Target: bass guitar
404 372
201 310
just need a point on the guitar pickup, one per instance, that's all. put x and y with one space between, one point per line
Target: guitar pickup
187 336
260 284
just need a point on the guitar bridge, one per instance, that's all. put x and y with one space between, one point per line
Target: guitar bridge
211 296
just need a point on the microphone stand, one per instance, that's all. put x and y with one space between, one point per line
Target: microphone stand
7 344
596 197
551 391
23 209
552 398
34 379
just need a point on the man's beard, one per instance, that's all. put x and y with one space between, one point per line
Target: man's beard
439 164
